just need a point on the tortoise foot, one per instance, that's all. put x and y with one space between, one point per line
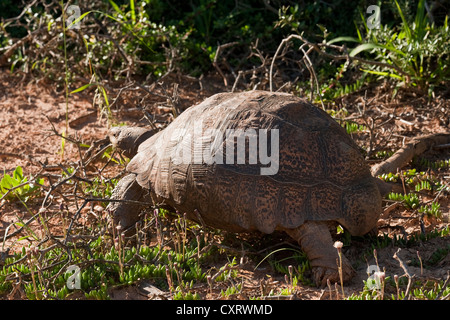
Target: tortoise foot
315 239
321 273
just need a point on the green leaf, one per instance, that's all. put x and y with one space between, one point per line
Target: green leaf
116 7
63 142
405 23
338 39
49 25
420 22
82 88
105 95
78 19
24 237
18 173
7 182
359 33
382 73
363 18
133 12
369 46
364 47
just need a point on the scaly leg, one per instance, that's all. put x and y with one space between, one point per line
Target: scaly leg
126 214
315 239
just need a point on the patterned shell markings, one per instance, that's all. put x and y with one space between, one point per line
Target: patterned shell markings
318 164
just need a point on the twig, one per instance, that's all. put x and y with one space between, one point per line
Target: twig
244 73
226 268
280 297
310 67
446 282
269 7
317 47
216 57
407 273
119 93
283 42
125 57
8 53
171 99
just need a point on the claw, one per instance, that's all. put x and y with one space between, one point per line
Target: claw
322 274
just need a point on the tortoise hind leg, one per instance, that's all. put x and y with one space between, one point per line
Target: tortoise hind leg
126 214
315 240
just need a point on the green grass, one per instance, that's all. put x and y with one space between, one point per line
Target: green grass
420 184
102 266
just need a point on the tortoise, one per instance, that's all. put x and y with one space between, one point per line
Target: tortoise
317 176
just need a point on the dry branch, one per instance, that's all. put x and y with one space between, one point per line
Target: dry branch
444 286
407 273
216 58
414 148
10 51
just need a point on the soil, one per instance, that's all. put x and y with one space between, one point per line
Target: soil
31 112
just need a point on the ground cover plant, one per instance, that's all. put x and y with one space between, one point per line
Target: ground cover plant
63 88
414 53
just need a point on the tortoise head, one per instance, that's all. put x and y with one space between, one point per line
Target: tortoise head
128 139
361 207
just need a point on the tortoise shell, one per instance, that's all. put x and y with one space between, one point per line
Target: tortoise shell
259 161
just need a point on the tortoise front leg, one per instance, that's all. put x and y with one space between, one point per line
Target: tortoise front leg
126 214
315 240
